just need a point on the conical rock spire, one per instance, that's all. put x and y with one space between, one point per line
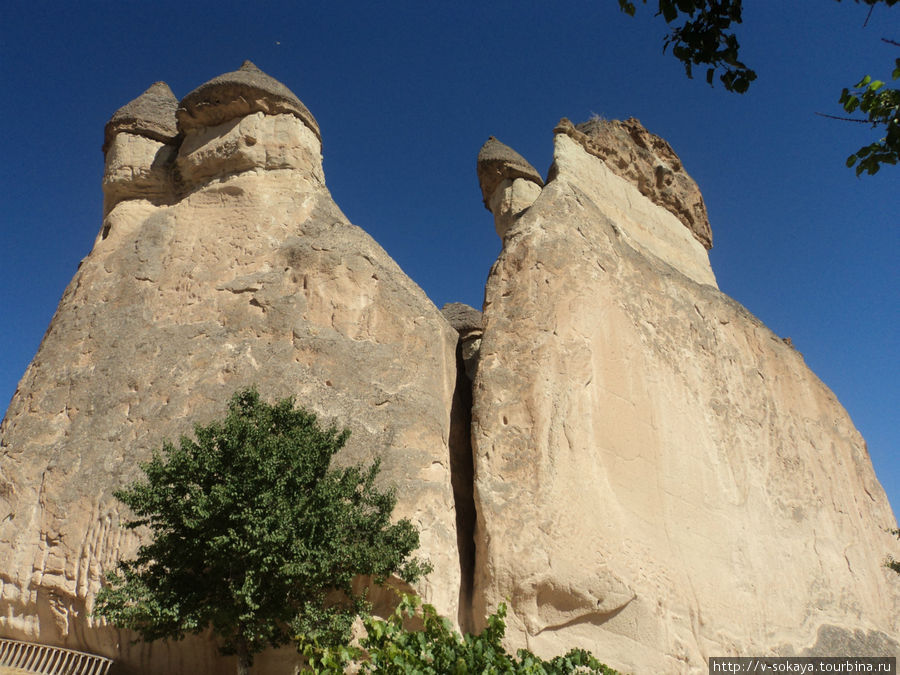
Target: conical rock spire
152 114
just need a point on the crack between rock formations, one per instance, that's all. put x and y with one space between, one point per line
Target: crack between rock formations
462 480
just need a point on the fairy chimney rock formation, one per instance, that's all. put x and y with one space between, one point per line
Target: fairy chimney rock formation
140 143
647 452
465 319
613 169
613 447
238 94
246 120
152 114
222 262
509 184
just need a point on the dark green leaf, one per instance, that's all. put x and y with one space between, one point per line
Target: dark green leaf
668 10
627 7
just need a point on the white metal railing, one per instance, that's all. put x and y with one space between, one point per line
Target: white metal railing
47 660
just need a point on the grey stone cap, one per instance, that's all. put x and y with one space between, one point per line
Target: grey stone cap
152 114
464 318
239 93
496 162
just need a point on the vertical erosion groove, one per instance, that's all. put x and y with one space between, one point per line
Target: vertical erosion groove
462 476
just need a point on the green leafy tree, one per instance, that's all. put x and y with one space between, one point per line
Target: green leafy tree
253 534
704 38
702 35
881 105
891 563
391 649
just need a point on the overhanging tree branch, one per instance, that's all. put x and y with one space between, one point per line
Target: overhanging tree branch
706 38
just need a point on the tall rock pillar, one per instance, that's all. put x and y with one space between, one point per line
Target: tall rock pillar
222 262
658 477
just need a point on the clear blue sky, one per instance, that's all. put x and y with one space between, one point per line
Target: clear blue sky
406 93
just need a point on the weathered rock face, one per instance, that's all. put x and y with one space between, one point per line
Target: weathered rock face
152 114
468 323
658 477
647 226
647 162
244 272
141 141
257 141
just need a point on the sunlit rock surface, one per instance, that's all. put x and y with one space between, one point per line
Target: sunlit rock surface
648 162
509 184
658 477
618 451
223 265
141 141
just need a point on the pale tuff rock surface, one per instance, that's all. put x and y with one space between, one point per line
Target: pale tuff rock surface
649 163
245 120
647 226
257 141
509 184
658 477
251 277
640 467
138 167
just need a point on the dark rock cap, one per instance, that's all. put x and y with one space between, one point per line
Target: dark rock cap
464 318
239 93
496 162
152 114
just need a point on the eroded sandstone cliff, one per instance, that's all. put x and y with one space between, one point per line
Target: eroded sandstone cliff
222 262
658 477
623 454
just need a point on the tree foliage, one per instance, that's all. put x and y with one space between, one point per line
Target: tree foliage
391 649
702 34
253 533
704 38
891 563
881 105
